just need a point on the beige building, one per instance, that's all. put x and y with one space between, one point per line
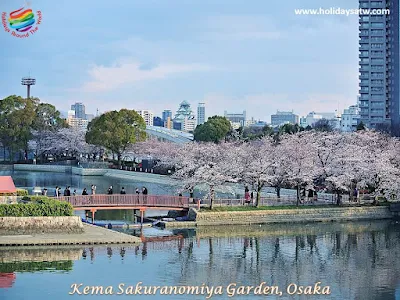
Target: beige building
147 116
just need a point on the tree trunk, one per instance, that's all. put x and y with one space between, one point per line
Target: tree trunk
259 188
212 192
119 155
338 198
278 191
298 195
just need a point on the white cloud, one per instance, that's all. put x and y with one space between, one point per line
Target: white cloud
104 78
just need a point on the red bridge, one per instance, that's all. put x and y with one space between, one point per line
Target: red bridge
128 201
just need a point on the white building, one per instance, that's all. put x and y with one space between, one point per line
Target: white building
350 118
77 123
189 124
147 116
313 117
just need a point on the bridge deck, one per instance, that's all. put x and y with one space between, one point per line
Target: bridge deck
127 201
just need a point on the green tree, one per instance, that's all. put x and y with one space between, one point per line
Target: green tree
116 130
290 128
323 125
47 119
214 130
360 126
16 118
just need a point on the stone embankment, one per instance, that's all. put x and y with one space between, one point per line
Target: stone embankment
30 231
293 215
27 225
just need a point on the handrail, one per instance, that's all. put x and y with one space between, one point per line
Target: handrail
126 200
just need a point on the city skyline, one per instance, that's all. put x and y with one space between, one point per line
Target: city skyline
228 55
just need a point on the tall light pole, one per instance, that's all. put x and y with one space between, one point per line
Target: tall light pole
28 81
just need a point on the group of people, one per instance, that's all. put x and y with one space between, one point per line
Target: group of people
67 191
57 191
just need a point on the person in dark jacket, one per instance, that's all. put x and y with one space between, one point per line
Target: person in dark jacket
84 192
110 190
123 192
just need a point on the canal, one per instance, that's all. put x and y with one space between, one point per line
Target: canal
356 260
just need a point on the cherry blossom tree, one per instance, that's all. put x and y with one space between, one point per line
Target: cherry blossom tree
257 159
209 164
298 154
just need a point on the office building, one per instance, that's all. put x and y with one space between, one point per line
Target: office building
379 64
314 117
165 114
201 113
284 117
157 121
237 119
350 119
79 109
147 116
78 123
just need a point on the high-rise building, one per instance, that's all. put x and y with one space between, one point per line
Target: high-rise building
165 114
79 109
284 117
379 63
201 113
147 116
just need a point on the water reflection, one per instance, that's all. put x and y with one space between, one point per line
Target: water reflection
357 260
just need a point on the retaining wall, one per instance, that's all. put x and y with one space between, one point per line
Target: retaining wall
25 225
293 215
42 168
88 172
140 176
6 167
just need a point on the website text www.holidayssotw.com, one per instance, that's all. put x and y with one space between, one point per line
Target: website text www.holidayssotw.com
342 11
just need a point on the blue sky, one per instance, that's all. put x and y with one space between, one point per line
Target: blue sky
152 54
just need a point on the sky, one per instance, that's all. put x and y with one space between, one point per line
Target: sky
234 55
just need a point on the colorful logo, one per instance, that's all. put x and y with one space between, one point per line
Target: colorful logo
21 23
22 20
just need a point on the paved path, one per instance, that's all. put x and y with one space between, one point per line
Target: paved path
91 235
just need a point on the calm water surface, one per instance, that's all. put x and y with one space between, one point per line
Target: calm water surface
356 260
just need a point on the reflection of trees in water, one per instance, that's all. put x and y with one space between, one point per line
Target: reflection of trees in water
36 266
357 265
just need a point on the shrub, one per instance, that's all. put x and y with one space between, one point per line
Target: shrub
38 206
20 192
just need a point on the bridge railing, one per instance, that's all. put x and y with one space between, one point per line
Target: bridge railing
126 200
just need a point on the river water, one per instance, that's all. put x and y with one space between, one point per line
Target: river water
356 260
353 260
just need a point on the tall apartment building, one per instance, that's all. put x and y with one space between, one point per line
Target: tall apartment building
147 116
79 109
379 63
201 113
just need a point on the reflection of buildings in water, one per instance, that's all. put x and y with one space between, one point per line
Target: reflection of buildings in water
7 280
